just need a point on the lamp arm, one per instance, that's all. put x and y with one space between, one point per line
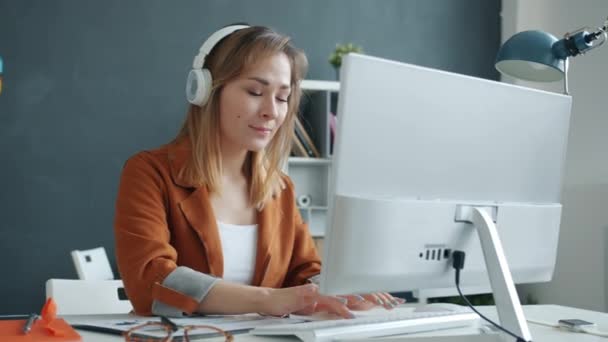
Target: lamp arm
580 41
592 37
600 32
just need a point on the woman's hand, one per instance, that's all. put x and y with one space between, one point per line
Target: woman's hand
352 302
302 300
306 300
370 300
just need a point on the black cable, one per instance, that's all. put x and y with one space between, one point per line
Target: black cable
458 264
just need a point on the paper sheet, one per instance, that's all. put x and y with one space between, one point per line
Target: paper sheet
118 324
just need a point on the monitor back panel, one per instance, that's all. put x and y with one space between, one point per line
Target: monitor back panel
411 132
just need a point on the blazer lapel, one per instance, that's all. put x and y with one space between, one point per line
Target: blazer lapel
197 208
199 213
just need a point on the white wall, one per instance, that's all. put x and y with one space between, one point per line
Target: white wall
581 274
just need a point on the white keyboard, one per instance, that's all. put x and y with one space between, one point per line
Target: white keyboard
389 323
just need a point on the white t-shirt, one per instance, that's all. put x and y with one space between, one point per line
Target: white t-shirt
239 246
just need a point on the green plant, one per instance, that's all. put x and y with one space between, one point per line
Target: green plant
335 58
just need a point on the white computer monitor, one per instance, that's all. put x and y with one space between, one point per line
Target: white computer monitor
416 144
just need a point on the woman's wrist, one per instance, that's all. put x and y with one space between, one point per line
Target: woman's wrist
262 299
229 298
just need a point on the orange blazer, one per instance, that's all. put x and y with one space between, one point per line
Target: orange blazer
163 222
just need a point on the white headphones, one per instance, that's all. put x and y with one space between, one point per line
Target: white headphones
198 85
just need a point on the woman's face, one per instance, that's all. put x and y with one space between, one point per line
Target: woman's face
253 106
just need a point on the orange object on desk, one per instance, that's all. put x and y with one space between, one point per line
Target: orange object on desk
47 328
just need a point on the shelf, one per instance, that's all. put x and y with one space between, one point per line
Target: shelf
311 176
307 85
309 161
314 207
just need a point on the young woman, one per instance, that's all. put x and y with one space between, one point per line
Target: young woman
208 223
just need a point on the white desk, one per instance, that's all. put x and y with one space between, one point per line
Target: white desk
547 313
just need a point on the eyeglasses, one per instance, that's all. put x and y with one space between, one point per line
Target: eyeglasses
167 328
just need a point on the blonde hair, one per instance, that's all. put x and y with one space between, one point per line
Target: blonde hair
227 61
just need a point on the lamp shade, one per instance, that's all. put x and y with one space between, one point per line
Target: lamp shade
529 55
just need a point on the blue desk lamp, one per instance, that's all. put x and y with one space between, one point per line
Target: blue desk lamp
539 56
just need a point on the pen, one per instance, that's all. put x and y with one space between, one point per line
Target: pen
28 324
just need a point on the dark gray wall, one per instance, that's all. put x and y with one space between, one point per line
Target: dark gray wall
89 83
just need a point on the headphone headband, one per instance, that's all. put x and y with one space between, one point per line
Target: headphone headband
208 45
200 82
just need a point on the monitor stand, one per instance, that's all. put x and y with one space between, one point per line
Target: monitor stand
510 313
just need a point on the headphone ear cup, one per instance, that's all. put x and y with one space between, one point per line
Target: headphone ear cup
198 86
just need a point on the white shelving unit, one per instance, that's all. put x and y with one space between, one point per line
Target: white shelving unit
314 85
311 175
